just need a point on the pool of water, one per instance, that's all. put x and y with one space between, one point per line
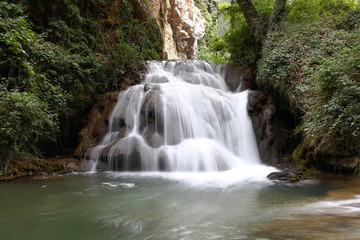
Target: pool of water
112 205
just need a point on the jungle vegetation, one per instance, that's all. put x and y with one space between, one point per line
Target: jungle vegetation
55 56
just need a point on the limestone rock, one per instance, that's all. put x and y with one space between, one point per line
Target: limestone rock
141 10
180 22
188 26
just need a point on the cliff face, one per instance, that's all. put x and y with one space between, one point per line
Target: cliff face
182 25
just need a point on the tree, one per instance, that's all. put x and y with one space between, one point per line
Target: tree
257 25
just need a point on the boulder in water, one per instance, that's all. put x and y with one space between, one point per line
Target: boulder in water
283 176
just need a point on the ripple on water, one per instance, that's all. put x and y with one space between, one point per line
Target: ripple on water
126 224
330 218
349 207
118 185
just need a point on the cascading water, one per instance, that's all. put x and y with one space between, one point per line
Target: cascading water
182 118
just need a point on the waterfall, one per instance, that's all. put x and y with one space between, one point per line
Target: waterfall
182 118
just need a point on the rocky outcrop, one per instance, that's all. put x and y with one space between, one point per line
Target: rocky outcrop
181 24
188 27
271 135
160 11
151 117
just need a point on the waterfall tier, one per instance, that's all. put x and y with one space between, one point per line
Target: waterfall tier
181 118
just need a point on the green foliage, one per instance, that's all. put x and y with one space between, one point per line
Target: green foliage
49 72
215 51
39 72
212 47
24 118
312 10
335 116
316 67
238 38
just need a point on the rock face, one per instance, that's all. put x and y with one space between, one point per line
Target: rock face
271 135
97 126
160 11
239 77
181 24
188 27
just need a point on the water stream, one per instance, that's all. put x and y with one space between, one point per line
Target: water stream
181 118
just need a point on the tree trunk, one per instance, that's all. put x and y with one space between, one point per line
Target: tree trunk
278 14
258 26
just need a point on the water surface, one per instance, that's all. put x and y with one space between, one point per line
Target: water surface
112 205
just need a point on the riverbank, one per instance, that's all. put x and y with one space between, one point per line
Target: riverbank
35 167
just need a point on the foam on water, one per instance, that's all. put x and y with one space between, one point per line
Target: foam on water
341 207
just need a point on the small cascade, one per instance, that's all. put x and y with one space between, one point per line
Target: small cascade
181 118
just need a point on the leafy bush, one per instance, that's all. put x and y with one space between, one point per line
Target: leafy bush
24 118
238 38
334 118
316 67
215 51
312 10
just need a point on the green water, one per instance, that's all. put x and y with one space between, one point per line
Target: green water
131 206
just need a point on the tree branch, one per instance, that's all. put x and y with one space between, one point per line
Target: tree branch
251 15
278 14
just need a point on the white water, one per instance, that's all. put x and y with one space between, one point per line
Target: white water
182 118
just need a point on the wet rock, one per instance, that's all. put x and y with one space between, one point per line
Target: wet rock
283 176
153 139
98 123
72 167
123 155
126 162
271 134
151 115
